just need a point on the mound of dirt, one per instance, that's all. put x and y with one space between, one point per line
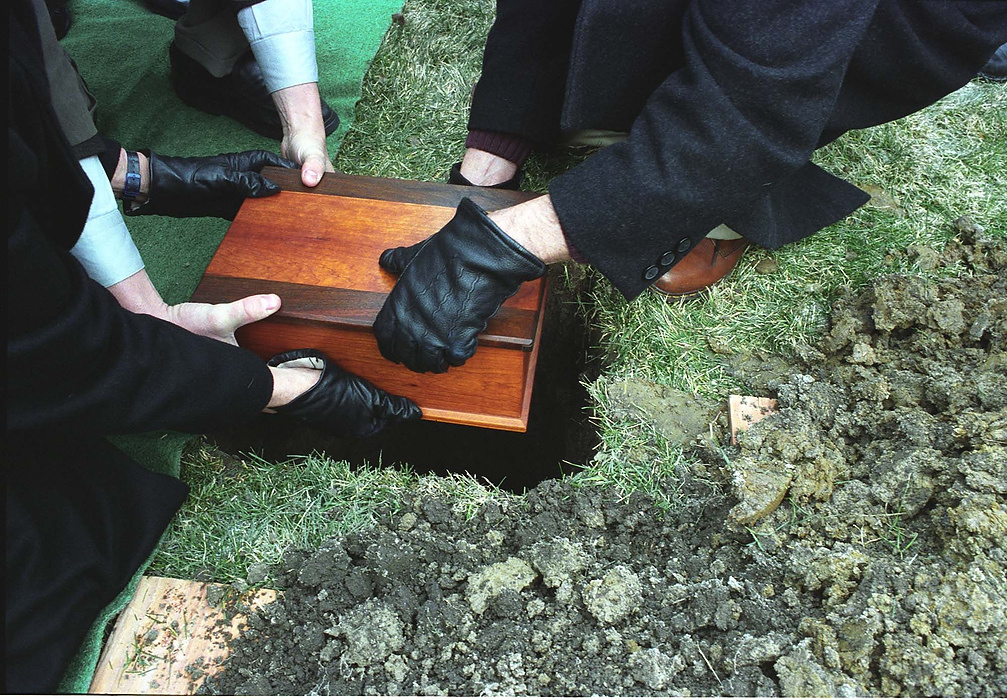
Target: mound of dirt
854 543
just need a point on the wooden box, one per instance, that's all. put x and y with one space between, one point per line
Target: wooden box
318 250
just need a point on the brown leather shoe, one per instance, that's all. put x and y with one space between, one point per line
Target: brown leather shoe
705 265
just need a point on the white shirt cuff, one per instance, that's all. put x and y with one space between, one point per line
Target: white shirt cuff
105 248
282 36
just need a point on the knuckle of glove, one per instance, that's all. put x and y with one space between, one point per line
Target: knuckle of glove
374 409
252 160
389 260
337 404
406 410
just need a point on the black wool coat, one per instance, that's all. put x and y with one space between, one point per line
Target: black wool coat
724 100
80 516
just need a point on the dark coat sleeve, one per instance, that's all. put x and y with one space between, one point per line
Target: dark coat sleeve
734 126
757 86
75 358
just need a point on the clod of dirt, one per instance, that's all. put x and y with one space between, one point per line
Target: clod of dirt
759 490
678 415
866 553
257 573
558 560
767 266
613 596
496 580
372 630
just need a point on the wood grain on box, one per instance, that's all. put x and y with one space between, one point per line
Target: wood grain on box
318 249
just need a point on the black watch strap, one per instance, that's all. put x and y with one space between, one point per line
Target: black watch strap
131 188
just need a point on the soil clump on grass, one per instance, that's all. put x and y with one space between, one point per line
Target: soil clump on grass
854 543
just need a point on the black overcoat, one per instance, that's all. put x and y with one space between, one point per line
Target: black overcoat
80 516
725 102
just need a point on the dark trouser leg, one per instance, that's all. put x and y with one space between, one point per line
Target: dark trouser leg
81 519
73 104
209 33
524 70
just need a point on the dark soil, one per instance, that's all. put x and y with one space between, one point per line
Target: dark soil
855 543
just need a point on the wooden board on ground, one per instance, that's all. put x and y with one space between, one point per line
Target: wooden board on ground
318 249
169 638
745 411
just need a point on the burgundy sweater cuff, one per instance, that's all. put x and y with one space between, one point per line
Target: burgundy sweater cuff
575 254
516 149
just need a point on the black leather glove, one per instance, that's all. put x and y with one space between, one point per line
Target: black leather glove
342 403
207 186
449 287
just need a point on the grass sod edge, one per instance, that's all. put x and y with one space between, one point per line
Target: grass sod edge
930 167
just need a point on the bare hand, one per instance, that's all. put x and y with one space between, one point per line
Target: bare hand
220 321
136 293
300 109
309 151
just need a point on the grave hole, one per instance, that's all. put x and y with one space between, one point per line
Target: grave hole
560 432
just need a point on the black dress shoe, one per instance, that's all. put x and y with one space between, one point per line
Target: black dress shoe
172 9
996 68
455 177
59 13
242 95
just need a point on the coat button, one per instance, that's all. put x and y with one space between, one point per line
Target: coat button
651 273
667 259
684 245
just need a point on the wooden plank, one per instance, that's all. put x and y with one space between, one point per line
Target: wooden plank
394 190
746 411
329 241
169 639
488 391
351 309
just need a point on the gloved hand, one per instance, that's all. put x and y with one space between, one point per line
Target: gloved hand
449 286
207 186
342 403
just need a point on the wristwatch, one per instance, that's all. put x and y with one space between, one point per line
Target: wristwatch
131 188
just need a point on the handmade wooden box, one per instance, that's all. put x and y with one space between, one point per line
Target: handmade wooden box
318 250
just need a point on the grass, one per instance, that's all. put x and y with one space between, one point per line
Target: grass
897 538
924 171
246 511
412 117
